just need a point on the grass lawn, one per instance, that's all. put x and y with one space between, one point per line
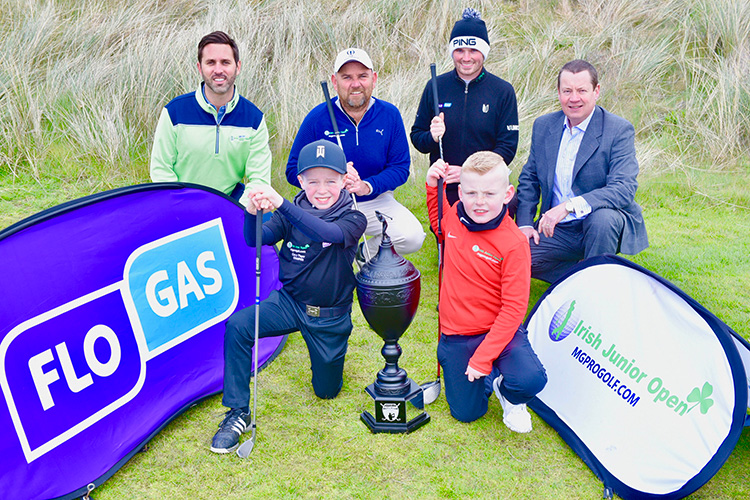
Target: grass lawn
310 448
81 89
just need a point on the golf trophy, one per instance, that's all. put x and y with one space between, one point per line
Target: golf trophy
388 289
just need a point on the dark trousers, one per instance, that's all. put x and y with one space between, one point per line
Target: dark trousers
599 233
326 339
237 192
523 374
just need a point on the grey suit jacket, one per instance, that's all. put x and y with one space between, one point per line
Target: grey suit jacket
604 172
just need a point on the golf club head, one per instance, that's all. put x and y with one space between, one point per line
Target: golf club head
430 391
247 447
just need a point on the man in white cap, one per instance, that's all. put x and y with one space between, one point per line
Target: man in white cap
374 140
478 110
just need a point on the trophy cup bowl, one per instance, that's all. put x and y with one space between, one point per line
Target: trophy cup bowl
388 288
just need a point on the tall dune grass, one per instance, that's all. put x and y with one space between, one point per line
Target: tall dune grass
82 83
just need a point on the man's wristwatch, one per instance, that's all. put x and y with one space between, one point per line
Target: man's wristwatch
569 206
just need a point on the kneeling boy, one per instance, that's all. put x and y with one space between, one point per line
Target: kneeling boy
320 230
484 294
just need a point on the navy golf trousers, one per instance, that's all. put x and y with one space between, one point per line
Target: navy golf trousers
523 374
573 241
326 339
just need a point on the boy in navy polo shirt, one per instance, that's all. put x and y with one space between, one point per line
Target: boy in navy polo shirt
320 230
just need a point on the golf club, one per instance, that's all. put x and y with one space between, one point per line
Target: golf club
431 390
329 104
245 448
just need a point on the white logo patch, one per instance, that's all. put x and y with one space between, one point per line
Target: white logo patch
321 152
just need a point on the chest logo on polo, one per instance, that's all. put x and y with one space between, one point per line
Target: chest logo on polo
484 254
240 137
485 108
328 133
297 252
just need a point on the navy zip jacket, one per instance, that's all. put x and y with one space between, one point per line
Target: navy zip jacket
481 115
315 261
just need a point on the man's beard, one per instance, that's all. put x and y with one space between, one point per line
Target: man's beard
227 86
358 104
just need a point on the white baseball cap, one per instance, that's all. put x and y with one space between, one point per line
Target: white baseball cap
352 54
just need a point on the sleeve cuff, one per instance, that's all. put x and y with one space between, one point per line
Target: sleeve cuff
581 206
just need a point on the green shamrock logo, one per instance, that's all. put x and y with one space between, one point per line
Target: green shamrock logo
701 396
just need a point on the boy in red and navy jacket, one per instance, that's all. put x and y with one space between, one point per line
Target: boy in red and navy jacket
484 294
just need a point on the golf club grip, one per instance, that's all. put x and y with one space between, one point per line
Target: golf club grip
329 105
258 244
436 103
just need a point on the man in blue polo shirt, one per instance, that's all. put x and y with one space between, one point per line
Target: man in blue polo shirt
374 140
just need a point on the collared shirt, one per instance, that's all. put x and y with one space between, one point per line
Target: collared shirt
219 112
566 158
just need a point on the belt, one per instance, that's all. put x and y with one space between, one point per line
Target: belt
327 312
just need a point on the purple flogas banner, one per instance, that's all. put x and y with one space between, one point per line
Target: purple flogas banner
112 323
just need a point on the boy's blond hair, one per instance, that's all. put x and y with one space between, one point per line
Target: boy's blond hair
482 162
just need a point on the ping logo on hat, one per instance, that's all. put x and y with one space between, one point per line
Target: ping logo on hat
470 32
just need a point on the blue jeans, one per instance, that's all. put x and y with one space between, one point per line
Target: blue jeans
326 338
523 374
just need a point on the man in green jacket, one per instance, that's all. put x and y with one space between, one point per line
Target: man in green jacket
213 136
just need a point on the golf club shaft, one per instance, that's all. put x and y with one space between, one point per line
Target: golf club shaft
436 103
441 183
334 123
258 248
244 450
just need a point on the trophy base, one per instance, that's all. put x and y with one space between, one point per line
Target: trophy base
391 412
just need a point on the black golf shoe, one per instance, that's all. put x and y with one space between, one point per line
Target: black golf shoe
227 438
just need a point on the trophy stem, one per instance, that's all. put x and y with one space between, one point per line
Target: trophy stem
391 380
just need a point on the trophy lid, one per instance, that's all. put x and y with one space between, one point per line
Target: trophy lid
387 267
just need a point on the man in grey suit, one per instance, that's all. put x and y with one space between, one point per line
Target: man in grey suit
582 165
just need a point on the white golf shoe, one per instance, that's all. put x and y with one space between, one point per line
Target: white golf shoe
515 417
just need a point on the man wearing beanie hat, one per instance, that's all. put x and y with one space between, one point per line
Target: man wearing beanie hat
478 110
374 140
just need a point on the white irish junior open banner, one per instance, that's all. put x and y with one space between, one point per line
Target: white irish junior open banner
646 385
